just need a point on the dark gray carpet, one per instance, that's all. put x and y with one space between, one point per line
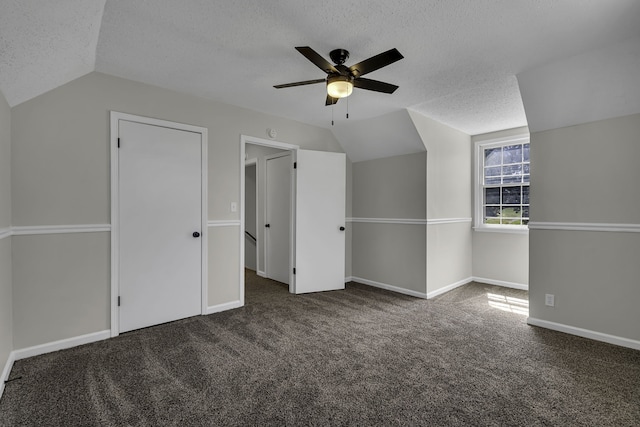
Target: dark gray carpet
362 357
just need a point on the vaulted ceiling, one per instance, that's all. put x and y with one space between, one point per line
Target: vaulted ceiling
460 66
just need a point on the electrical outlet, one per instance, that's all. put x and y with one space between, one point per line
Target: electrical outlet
550 300
234 206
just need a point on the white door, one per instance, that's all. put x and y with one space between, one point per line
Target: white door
278 217
159 224
320 221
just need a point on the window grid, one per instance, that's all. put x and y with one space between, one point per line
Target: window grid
505 184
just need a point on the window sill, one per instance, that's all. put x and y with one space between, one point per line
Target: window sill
505 229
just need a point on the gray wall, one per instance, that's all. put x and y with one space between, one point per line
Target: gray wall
449 244
499 256
586 174
6 297
390 188
60 163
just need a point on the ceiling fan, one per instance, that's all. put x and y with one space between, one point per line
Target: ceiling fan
342 79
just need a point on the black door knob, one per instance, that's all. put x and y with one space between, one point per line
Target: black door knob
268 225
341 228
196 234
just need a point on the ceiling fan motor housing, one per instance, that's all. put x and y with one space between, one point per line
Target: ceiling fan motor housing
339 56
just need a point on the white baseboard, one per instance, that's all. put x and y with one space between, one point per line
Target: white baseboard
388 287
261 274
502 283
61 345
6 371
348 279
448 288
223 307
585 333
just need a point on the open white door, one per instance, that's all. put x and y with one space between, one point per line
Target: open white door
320 221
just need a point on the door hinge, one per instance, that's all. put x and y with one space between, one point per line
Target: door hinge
118 301
294 270
295 165
118 142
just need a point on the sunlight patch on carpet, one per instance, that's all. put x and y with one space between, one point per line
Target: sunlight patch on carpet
510 304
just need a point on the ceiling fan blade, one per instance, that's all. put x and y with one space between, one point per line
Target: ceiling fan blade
315 57
374 85
375 62
331 100
306 82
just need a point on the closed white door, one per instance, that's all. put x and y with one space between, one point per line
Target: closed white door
278 217
159 224
320 221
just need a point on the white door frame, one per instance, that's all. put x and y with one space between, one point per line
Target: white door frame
245 139
115 226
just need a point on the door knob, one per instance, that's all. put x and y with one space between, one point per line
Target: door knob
341 228
196 234
268 225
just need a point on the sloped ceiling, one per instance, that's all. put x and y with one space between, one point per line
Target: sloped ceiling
461 57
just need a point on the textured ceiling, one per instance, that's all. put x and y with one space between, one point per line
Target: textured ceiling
461 56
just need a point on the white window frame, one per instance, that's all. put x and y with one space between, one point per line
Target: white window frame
480 146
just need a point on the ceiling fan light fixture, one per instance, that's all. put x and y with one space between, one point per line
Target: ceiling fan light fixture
339 86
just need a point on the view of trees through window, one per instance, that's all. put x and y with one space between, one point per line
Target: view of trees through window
506 184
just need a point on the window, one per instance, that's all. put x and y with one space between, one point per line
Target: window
502 190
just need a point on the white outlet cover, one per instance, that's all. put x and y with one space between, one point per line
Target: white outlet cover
549 299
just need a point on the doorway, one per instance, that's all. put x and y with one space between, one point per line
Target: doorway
158 212
317 217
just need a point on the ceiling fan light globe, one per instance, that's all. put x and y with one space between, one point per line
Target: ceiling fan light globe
339 87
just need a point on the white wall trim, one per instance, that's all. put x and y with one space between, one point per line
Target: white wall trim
7 371
409 221
59 229
585 226
224 223
585 333
348 279
502 283
439 221
261 273
223 307
448 288
61 344
5 232
388 287
388 221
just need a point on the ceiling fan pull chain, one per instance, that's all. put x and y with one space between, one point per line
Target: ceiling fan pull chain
347 107
332 107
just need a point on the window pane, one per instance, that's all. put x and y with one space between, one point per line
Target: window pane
492 171
526 179
492 211
511 195
512 154
525 152
493 156
526 169
525 211
512 173
525 195
492 196
511 212
491 181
